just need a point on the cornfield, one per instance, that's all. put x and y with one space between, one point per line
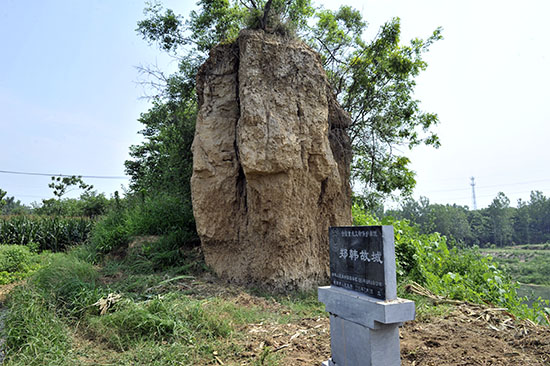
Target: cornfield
49 233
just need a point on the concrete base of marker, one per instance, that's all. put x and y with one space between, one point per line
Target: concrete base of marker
364 331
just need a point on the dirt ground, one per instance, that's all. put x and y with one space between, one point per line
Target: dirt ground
469 335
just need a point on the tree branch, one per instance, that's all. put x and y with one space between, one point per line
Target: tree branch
267 8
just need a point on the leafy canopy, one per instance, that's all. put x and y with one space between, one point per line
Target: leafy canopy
373 80
2 195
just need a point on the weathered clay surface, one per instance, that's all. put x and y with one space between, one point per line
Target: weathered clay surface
270 163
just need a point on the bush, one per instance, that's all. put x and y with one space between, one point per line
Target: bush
14 258
90 204
172 250
160 319
161 214
16 262
110 233
68 285
457 274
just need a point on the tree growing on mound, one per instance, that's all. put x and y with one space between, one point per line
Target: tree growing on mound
374 82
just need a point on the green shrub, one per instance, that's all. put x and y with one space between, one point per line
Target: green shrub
89 204
68 285
110 233
14 258
159 214
172 250
16 262
457 274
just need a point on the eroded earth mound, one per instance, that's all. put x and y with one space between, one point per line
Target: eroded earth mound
270 163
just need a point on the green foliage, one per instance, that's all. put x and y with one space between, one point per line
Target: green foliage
34 334
164 161
2 201
62 287
14 258
499 224
89 204
171 250
147 322
161 171
68 285
164 28
278 16
16 262
218 21
9 206
158 214
49 233
374 81
110 233
454 273
161 319
61 185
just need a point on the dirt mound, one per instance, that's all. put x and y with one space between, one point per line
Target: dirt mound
271 160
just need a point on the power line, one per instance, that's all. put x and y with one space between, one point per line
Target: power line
492 195
490 186
64 175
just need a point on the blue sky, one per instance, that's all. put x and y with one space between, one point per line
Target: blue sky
69 100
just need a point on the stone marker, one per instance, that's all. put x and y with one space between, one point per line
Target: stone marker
365 313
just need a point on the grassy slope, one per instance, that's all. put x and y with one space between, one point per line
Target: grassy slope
149 317
170 317
127 312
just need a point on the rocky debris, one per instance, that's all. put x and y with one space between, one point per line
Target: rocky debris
271 163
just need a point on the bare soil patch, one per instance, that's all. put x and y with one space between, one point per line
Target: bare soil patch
467 336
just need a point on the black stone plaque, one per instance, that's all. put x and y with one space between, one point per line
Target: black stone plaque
357 259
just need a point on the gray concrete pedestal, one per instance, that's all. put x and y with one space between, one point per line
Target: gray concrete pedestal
364 331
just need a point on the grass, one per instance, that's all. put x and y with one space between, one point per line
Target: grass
126 310
152 318
528 264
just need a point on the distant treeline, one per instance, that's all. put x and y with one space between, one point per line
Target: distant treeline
498 224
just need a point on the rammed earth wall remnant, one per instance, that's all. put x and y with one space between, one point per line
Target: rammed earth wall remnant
270 163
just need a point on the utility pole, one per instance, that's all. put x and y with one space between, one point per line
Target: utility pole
473 184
